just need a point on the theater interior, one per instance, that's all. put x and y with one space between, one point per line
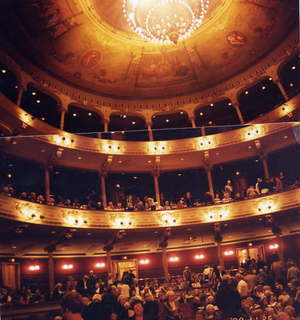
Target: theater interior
152 139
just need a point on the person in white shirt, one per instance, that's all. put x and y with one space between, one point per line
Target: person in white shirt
242 286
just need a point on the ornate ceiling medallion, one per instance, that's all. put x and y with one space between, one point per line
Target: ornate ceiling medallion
165 21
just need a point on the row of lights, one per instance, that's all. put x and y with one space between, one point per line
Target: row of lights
172 259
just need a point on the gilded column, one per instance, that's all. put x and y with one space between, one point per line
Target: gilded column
150 132
47 182
165 264
103 190
51 272
210 181
156 188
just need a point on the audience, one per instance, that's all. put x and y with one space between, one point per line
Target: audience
130 202
250 292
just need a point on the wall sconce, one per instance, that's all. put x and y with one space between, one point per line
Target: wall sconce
157 147
120 220
253 132
218 214
29 212
266 206
174 259
100 265
74 219
205 142
144 261
274 246
67 267
62 140
111 147
229 253
199 256
169 218
35 267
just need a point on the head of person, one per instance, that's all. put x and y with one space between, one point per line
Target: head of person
86 301
148 297
97 297
72 303
137 307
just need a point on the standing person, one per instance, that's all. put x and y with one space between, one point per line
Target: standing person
92 282
130 278
151 307
228 299
293 272
187 275
83 285
242 286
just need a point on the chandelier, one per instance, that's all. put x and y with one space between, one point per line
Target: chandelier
165 21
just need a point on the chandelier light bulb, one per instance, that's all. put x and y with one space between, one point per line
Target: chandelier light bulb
165 21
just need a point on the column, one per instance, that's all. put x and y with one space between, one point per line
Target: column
210 181
265 166
105 128
62 119
192 119
165 264
105 123
109 263
20 95
103 190
47 183
280 248
150 132
220 255
281 89
203 133
239 114
156 188
51 272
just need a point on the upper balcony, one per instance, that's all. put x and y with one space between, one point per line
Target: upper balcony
24 211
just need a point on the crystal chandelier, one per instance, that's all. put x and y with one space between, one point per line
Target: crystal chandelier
165 21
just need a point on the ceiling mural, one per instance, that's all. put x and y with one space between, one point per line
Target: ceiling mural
89 44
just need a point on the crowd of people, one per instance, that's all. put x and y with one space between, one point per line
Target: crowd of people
230 192
254 291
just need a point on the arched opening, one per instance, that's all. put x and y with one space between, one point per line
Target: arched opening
214 115
81 120
127 127
289 75
8 83
259 99
41 105
173 126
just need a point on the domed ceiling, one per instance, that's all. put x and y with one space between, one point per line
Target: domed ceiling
92 44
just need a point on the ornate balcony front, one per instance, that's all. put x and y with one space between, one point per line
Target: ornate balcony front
29 212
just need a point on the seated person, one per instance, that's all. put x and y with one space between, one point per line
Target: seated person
227 197
251 192
217 199
110 206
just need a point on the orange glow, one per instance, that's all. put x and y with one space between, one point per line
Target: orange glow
229 253
100 265
274 246
174 259
35 267
144 261
199 256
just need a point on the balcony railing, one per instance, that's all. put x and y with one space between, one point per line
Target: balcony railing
25 211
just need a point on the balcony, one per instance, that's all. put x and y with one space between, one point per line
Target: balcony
24 211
